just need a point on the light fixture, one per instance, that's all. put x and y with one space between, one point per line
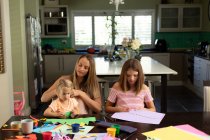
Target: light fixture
116 3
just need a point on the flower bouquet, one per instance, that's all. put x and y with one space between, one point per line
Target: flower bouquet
133 47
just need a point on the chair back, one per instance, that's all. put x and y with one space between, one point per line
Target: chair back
206 96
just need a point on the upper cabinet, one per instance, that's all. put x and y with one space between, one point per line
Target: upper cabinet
178 18
54 20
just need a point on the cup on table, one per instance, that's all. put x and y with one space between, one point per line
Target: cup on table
27 126
15 125
47 135
75 127
117 128
111 131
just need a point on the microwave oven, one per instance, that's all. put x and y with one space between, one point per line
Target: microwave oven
55 29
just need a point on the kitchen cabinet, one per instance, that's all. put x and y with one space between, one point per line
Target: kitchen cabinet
58 65
179 17
201 73
54 21
177 63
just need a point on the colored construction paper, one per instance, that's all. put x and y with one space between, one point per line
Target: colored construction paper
90 136
191 129
141 116
71 121
44 128
65 129
171 133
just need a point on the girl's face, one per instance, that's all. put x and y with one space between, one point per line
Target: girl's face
65 93
82 67
132 76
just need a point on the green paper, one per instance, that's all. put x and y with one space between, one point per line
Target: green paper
71 121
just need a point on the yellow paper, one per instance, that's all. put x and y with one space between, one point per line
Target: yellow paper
171 133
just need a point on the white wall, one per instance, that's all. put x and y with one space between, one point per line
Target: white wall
6 81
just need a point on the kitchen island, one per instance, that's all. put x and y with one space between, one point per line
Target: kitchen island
150 67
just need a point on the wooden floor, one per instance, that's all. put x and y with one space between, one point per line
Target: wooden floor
179 99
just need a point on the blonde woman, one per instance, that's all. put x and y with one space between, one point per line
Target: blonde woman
86 88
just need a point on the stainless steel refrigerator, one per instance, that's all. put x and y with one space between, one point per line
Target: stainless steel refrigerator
34 61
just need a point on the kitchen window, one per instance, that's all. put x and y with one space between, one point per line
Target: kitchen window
96 28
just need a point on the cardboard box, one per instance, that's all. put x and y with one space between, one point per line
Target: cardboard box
51 2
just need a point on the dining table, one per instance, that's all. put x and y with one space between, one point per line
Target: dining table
151 67
197 120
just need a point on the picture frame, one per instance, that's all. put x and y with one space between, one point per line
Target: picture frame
2 69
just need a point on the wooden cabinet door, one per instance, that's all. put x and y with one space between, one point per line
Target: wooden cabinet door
52 68
69 62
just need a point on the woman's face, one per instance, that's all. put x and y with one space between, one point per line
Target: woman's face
82 67
132 76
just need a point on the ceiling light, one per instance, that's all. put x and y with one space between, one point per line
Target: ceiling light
116 3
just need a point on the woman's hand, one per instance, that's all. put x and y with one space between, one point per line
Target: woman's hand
76 93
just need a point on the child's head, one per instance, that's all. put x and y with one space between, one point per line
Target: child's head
131 67
64 89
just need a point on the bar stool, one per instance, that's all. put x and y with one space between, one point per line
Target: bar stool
206 96
152 80
103 84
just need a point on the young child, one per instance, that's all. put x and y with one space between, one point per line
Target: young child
64 103
130 92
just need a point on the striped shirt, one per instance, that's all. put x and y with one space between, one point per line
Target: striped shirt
129 98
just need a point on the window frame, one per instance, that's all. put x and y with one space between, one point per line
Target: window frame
111 13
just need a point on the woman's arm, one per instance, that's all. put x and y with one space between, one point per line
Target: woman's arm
93 104
150 106
51 92
110 108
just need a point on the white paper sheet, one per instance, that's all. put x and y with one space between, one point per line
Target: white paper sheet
141 116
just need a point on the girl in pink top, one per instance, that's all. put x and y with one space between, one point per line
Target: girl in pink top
64 103
130 92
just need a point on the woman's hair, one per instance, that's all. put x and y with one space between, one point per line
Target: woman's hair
135 65
64 83
90 82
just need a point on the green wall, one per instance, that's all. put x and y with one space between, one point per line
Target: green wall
183 39
58 43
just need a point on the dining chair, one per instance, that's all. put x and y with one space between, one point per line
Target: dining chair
206 96
103 85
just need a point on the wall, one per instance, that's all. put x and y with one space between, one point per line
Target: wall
186 39
19 59
96 5
6 81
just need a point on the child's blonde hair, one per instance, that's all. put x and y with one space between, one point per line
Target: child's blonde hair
64 83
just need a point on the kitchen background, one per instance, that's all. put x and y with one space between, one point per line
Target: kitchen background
19 8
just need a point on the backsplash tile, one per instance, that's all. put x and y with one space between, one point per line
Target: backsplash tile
183 39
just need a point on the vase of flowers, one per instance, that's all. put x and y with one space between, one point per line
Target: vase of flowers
133 48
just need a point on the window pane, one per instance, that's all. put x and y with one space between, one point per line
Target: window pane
123 28
83 30
102 32
143 29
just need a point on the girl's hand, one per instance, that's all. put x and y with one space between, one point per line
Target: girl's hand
61 115
123 109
